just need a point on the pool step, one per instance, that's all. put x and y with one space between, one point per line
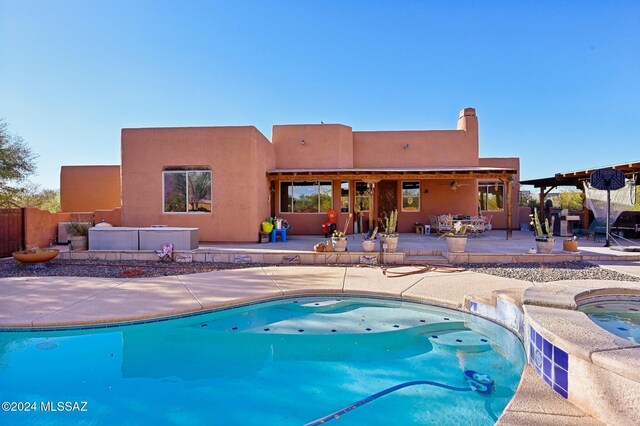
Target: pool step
466 341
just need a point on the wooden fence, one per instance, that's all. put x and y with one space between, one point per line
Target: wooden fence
11 231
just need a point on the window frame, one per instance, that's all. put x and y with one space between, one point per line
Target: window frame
486 186
319 185
342 196
186 172
356 196
402 196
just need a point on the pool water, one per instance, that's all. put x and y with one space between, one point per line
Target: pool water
621 318
284 362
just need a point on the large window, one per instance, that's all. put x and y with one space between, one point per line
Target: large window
411 196
305 197
187 191
362 197
491 195
344 197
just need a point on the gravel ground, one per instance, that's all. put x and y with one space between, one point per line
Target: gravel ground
546 272
139 269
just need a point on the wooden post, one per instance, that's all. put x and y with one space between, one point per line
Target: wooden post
541 216
509 209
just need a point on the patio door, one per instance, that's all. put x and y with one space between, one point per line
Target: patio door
387 197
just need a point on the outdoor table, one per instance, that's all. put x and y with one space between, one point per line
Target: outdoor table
282 232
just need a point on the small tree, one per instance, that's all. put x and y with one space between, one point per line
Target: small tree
572 200
17 162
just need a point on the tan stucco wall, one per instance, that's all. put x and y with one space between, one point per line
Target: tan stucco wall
41 227
238 157
325 146
425 148
89 188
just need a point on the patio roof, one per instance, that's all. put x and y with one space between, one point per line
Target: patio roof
471 172
575 178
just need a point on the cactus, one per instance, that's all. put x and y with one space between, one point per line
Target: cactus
538 226
391 222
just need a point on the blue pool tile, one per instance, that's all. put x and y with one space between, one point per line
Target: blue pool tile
560 358
531 351
561 378
547 349
548 380
561 391
532 334
538 341
473 306
547 367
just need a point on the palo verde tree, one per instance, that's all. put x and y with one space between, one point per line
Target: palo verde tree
17 162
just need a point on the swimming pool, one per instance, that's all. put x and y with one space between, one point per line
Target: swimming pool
619 317
292 361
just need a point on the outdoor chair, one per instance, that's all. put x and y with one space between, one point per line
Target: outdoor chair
445 223
487 222
477 226
597 229
433 221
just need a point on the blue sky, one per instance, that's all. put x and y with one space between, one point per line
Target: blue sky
554 83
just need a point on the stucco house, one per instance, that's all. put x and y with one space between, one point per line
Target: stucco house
226 180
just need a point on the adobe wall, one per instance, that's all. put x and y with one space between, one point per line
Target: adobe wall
41 227
89 188
238 157
326 146
424 148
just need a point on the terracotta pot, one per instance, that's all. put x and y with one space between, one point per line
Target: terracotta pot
43 256
457 244
570 245
339 243
390 241
78 242
545 246
368 245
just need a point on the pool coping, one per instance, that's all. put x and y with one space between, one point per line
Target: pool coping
433 288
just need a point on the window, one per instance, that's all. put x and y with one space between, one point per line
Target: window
491 195
187 191
362 197
411 196
344 197
305 197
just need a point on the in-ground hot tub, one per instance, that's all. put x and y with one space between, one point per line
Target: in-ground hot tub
620 317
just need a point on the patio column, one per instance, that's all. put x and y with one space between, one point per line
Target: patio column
371 183
509 210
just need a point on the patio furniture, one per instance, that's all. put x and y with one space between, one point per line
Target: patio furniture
597 229
418 228
282 232
433 220
445 223
181 238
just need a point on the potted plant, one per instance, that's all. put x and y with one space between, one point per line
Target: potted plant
456 237
544 241
78 234
339 238
35 254
339 241
389 239
369 243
